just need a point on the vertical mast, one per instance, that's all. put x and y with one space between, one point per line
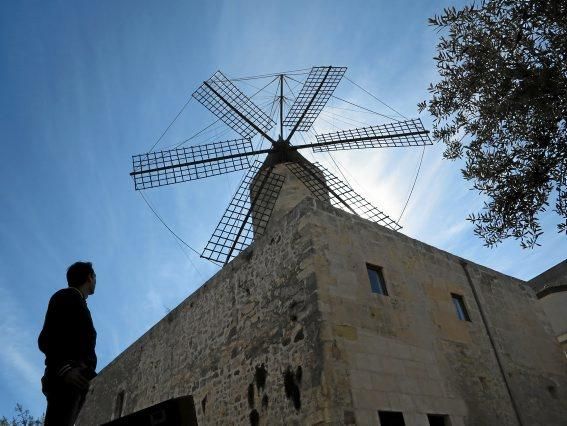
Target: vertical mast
281 105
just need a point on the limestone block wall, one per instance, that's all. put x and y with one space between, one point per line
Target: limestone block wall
551 289
555 307
246 345
409 352
291 333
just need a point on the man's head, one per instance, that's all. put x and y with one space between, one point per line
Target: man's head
81 275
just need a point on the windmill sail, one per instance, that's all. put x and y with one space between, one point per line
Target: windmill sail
400 133
196 162
318 88
220 96
245 216
338 193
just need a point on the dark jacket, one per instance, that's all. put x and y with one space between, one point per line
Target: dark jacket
68 337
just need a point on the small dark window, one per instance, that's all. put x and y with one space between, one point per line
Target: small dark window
377 283
391 418
438 419
460 307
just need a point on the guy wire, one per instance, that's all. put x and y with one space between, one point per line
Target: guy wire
169 229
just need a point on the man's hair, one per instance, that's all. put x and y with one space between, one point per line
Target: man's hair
78 273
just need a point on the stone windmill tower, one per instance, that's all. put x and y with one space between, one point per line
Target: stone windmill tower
325 317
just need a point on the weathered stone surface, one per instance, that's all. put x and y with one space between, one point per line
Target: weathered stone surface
242 329
290 333
419 356
551 290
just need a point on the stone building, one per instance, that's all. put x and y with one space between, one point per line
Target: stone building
551 290
331 319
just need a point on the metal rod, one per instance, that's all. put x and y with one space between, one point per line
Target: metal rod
192 163
308 105
239 113
311 145
464 265
281 105
326 186
252 205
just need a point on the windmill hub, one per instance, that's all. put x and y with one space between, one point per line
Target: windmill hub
281 152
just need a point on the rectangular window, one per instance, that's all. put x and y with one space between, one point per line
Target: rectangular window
391 418
460 307
377 283
438 420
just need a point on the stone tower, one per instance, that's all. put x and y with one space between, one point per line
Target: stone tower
331 319
293 190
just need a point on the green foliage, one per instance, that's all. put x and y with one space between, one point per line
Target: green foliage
22 417
501 104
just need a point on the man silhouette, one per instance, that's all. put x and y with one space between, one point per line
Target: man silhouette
68 340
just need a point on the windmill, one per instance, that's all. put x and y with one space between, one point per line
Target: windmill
250 209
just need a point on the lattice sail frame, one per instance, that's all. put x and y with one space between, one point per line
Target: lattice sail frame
220 96
338 193
313 96
400 133
244 217
184 164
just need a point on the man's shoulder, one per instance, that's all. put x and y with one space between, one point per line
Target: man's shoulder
66 295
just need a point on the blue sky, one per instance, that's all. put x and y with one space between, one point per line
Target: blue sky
85 85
